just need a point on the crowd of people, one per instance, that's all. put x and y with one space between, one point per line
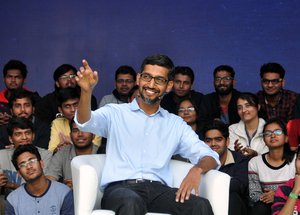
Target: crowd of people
149 118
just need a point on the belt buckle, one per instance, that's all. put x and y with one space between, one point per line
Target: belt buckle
139 180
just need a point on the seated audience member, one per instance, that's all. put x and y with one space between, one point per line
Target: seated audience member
268 171
137 169
68 99
216 135
38 195
286 198
245 136
188 111
293 130
64 77
273 99
183 78
222 103
22 104
60 163
125 80
20 131
14 76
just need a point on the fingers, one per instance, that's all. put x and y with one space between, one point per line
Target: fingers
184 193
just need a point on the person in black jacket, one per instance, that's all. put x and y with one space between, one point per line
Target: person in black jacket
222 103
183 78
216 135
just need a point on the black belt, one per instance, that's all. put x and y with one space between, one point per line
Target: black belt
135 181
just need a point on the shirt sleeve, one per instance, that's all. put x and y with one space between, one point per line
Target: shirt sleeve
9 209
67 207
55 166
54 136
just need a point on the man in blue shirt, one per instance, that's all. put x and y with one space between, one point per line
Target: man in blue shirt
141 139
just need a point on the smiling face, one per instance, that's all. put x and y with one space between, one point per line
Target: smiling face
187 111
271 83
32 170
246 111
222 85
80 139
274 140
21 136
150 92
124 83
22 108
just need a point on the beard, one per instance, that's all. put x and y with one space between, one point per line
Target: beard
224 92
150 101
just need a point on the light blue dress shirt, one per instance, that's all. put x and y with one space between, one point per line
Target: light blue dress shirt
141 145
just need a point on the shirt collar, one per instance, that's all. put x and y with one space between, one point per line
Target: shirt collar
134 106
229 158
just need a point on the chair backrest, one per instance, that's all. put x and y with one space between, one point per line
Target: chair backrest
87 171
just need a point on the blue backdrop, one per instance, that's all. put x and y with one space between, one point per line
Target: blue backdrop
196 33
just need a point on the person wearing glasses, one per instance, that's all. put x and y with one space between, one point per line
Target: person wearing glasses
220 104
183 78
125 80
268 171
141 139
38 195
245 136
20 131
273 99
64 77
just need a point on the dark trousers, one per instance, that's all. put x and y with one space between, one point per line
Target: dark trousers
139 198
237 205
260 208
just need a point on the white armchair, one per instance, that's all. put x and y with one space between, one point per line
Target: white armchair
86 175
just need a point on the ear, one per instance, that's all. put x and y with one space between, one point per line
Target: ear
19 174
169 86
233 82
42 164
33 110
138 76
59 109
10 139
33 136
227 142
286 139
258 107
283 82
57 84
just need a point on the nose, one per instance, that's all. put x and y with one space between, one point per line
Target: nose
24 136
181 85
151 83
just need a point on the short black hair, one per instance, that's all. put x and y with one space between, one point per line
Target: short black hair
216 125
15 64
125 70
251 98
67 93
22 149
226 68
18 122
273 68
62 69
184 70
160 60
20 94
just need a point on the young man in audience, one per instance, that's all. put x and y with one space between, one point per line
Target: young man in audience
68 99
38 195
22 104
222 103
275 102
20 131
60 163
125 80
64 77
183 78
142 137
216 135
14 76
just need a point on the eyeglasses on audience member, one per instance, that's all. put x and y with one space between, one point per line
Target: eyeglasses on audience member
126 81
188 109
273 81
157 79
225 79
66 77
24 164
276 132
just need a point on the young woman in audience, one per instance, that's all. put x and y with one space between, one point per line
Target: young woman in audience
245 136
268 171
286 196
188 111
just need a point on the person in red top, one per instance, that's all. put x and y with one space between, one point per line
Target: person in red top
286 199
14 76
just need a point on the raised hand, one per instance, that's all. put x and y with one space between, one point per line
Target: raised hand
86 78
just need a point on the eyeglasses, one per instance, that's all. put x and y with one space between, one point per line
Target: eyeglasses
30 161
189 109
157 79
66 77
273 81
276 132
126 81
225 79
